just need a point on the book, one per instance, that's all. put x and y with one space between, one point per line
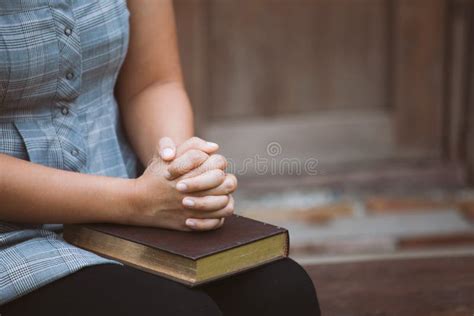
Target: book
192 258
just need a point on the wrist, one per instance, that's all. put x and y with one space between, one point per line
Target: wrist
128 200
137 200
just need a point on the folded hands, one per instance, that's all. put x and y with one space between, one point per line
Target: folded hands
185 187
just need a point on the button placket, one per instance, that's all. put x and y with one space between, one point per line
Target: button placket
67 124
70 52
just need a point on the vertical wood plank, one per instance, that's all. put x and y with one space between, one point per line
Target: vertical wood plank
192 21
458 70
469 133
275 57
419 85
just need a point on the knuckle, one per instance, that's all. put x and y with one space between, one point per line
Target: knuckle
173 166
220 174
220 161
171 171
227 199
193 154
197 155
226 188
224 201
234 180
228 211
230 184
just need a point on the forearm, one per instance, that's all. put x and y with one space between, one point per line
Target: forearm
31 193
159 110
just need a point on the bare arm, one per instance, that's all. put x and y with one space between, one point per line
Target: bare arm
153 104
31 193
150 88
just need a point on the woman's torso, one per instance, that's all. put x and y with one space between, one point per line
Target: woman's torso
59 61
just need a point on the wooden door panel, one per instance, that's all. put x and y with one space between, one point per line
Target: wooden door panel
419 73
342 81
325 141
273 57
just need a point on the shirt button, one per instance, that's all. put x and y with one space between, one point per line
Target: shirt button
68 31
75 152
64 110
70 76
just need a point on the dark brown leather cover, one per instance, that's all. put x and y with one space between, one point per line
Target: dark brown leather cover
236 231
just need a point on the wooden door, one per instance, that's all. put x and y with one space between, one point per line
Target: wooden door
349 84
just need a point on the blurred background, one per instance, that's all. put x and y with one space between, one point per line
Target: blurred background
350 122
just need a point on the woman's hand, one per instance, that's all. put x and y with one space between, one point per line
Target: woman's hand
168 151
198 200
192 159
199 173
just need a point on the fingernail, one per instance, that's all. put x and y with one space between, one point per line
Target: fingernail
188 202
190 222
167 153
213 145
181 186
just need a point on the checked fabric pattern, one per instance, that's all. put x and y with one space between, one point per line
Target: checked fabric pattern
59 61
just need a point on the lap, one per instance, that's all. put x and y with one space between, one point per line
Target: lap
113 290
279 288
276 288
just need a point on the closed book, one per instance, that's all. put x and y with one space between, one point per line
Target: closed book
191 258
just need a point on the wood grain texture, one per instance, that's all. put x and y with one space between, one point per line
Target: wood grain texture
457 80
254 68
332 138
456 239
389 175
192 19
272 57
469 132
409 287
419 61
408 204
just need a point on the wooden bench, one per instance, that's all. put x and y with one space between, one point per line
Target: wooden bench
428 286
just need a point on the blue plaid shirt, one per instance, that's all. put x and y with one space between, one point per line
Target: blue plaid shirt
59 61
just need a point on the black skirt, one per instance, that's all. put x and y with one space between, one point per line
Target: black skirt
278 288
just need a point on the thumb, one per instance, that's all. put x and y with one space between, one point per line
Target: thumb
167 149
